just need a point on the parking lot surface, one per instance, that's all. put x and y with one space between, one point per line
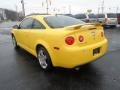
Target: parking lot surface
19 70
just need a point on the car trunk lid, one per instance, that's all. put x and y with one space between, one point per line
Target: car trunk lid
91 33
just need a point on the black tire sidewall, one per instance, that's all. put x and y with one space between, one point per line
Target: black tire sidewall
16 46
48 61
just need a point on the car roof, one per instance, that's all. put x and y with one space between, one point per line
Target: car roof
40 16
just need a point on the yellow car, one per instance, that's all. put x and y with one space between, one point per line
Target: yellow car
60 41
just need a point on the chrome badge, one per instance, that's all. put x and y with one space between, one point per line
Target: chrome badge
93 34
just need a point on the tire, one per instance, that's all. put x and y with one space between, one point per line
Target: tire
14 43
44 59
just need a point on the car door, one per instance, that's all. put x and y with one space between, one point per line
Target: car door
34 34
24 27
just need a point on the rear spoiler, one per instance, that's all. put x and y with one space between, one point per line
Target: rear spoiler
96 24
80 25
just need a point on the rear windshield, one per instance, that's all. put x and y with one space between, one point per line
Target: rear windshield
92 16
100 15
111 15
70 15
80 16
60 21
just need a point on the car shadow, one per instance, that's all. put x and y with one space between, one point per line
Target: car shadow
88 76
68 79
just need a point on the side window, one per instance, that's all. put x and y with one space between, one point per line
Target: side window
26 24
37 25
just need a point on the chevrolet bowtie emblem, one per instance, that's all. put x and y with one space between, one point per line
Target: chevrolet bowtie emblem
93 34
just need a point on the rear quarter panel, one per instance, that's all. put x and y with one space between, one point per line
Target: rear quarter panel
48 38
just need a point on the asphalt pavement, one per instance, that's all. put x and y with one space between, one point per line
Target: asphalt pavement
19 70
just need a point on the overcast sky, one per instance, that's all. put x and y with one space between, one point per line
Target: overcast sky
62 6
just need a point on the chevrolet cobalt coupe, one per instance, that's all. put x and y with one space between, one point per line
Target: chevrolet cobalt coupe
60 41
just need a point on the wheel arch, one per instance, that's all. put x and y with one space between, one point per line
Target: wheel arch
38 46
48 50
12 34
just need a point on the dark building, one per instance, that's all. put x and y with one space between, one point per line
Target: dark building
6 14
11 15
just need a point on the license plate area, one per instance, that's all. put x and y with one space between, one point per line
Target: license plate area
96 51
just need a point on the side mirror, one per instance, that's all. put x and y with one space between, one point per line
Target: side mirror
16 27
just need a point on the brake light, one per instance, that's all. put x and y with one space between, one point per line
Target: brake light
118 19
102 34
81 38
69 40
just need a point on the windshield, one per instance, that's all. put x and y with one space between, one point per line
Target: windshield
101 15
111 15
80 16
92 16
60 21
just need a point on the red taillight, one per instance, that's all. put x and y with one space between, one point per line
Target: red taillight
69 40
118 19
102 34
81 38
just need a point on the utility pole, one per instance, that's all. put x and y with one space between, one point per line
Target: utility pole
117 9
98 10
17 16
109 10
47 8
102 7
16 8
23 7
69 9
64 8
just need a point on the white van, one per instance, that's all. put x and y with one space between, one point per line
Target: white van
111 19
101 18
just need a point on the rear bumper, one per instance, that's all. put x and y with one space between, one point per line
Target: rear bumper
111 24
72 57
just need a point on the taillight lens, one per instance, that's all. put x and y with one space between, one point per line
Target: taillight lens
69 40
102 34
118 19
81 38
